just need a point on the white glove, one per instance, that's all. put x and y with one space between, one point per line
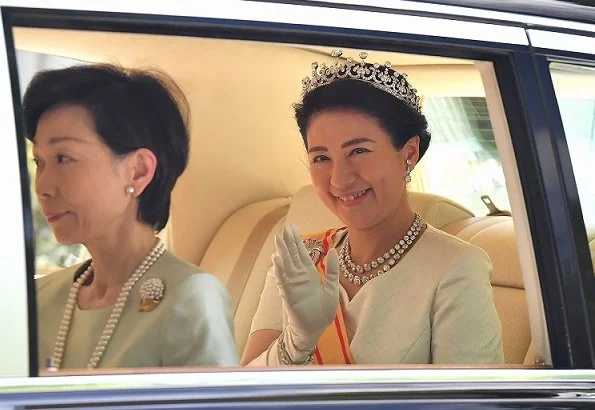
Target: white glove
309 302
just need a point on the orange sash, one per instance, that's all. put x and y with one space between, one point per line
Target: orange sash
333 345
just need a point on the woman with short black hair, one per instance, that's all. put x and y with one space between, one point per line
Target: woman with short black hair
109 145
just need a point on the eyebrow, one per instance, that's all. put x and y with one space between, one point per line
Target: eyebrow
57 140
355 141
344 145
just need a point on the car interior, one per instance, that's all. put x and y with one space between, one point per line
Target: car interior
248 172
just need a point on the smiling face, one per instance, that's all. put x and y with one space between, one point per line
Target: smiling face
79 182
355 169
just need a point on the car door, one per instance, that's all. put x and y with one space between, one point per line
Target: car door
511 61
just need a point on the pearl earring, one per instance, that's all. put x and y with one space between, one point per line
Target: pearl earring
130 190
408 172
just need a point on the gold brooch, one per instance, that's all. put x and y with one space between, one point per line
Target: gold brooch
151 293
315 248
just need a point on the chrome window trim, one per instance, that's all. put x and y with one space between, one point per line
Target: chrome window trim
525 19
299 14
292 14
233 378
562 41
14 351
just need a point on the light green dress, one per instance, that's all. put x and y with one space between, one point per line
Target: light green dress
192 326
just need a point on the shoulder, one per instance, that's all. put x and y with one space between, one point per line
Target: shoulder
203 284
172 269
458 260
200 296
52 290
186 279
453 249
57 279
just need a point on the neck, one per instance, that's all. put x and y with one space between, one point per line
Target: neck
370 243
117 257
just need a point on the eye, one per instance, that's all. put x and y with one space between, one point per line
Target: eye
357 151
62 159
36 162
319 158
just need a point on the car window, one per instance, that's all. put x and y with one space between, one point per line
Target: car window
463 143
248 173
259 162
50 256
575 93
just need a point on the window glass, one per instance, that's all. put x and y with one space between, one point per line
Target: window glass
49 254
248 172
462 162
575 91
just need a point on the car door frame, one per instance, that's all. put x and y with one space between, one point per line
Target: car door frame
525 98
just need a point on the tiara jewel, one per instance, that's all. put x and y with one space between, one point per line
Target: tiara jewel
382 77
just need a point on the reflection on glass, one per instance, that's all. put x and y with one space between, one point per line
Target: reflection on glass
575 92
463 144
248 172
49 254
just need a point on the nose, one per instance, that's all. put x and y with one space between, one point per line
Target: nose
45 187
343 175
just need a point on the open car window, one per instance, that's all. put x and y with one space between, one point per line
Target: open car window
247 173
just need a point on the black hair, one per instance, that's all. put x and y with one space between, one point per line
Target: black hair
131 109
397 118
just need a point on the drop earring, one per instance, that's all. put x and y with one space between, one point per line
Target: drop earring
408 172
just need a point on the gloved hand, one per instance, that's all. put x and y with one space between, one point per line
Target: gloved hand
309 301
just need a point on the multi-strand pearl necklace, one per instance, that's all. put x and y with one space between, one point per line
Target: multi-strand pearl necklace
384 263
115 315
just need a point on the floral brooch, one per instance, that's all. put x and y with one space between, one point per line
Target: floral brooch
315 248
151 293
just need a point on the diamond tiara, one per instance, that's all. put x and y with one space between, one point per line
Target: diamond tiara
382 77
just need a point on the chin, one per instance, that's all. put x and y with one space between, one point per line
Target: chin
67 238
359 222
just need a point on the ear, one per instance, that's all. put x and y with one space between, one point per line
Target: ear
411 150
143 163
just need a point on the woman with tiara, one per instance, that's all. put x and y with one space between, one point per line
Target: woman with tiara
387 288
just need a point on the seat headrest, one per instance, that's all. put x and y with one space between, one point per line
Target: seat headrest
311 215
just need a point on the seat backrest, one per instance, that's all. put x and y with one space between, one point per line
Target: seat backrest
496 236
310 215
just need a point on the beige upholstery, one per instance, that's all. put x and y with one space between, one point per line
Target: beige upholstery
225 247
495 235
248 302
224 254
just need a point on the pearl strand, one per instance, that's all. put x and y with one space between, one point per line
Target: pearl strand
115 315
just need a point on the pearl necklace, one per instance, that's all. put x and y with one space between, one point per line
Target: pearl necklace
385 262
115 315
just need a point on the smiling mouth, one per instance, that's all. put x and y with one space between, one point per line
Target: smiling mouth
354 196
54 217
